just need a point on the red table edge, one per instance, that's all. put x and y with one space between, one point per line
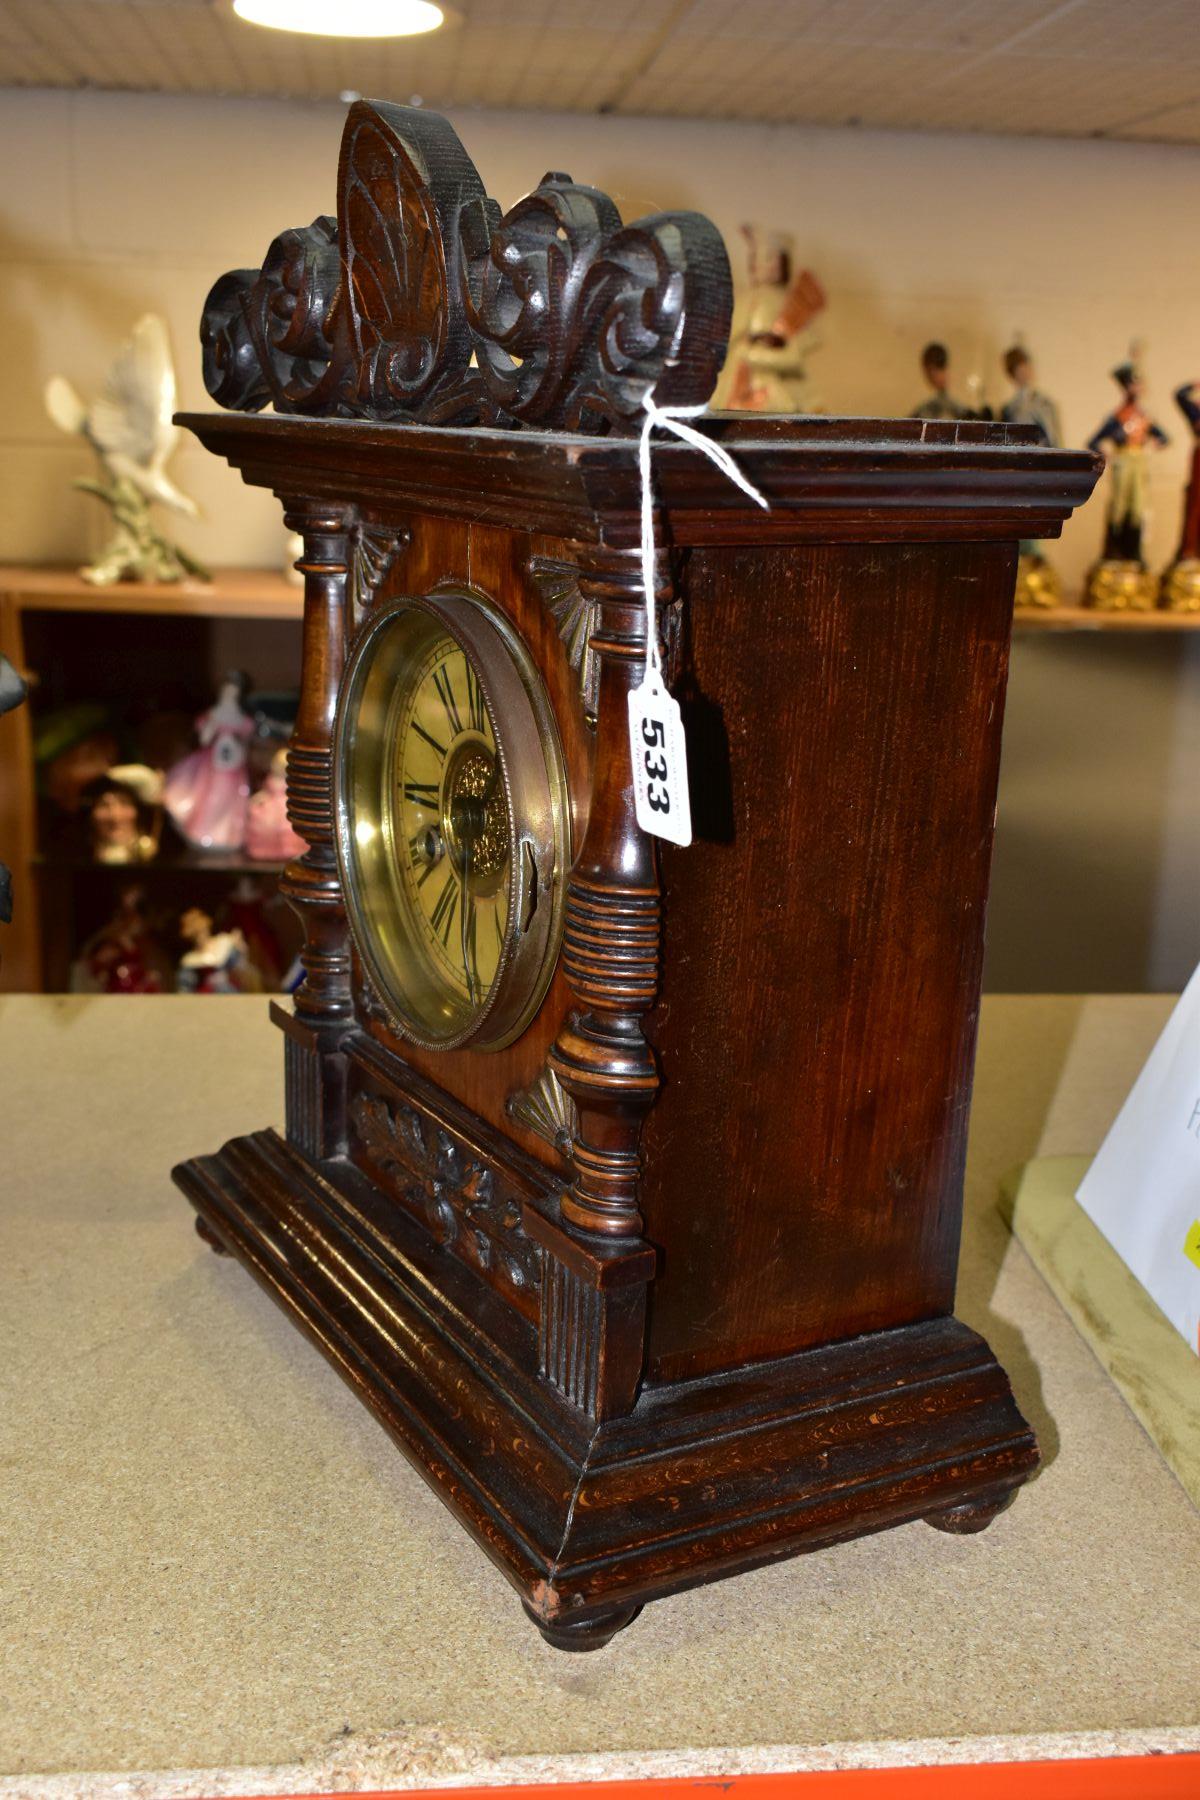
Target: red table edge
1161 1776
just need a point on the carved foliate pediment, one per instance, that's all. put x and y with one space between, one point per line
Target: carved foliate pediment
421 303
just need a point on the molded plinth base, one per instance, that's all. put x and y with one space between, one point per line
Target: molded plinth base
702 1479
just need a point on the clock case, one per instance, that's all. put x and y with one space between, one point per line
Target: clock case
662 1290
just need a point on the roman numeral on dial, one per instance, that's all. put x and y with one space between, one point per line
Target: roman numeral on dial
445 691
439 750
445 906
470 946
475 707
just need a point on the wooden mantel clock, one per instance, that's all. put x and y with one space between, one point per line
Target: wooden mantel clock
621 1180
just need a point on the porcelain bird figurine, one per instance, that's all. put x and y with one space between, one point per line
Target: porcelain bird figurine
129 427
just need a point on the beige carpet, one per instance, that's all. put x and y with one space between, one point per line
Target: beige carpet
213 1559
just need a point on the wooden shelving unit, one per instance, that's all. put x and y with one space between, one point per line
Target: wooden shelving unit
28 593
1086 618
35 608
232 594
191 862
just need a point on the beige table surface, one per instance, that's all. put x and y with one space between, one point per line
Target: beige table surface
214 1561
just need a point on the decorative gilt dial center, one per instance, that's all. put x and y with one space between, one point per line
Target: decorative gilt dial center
476 821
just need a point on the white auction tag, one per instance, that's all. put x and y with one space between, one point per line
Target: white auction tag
658 751
1143 1189
657 747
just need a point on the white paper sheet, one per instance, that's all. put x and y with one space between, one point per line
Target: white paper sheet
1143 1189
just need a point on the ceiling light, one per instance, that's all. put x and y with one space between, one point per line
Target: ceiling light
343 18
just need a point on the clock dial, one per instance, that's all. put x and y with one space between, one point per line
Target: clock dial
451 815
450 820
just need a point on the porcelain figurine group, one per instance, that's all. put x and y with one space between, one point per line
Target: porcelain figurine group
152 949
206 794
1120 580
773 338
195 808
1037 580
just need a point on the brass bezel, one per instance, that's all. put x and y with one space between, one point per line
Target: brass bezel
534 783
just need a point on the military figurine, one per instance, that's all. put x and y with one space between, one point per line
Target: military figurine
1181 582
1037 579
769 362
1120 581
1027 405
941 404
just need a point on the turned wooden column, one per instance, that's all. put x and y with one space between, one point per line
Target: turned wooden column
324 1010
592 1331
611 933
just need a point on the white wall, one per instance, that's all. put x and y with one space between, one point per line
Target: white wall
116 203
1096 872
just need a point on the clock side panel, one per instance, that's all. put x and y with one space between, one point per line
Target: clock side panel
823 944
509 568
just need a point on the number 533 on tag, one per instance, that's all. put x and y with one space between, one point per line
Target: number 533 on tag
658 752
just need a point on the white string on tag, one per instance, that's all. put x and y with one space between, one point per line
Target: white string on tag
657 748
671 418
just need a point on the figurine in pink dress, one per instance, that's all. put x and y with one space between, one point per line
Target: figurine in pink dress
269 835
207 792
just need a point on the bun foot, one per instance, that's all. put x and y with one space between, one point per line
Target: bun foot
973 1515
205 1231
591 1633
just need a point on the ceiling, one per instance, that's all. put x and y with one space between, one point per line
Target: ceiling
1077 68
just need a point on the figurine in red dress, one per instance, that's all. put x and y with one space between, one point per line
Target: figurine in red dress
124 956
1181 582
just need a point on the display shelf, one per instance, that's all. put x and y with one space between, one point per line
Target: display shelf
37 637
231 594
1086 618
189 862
